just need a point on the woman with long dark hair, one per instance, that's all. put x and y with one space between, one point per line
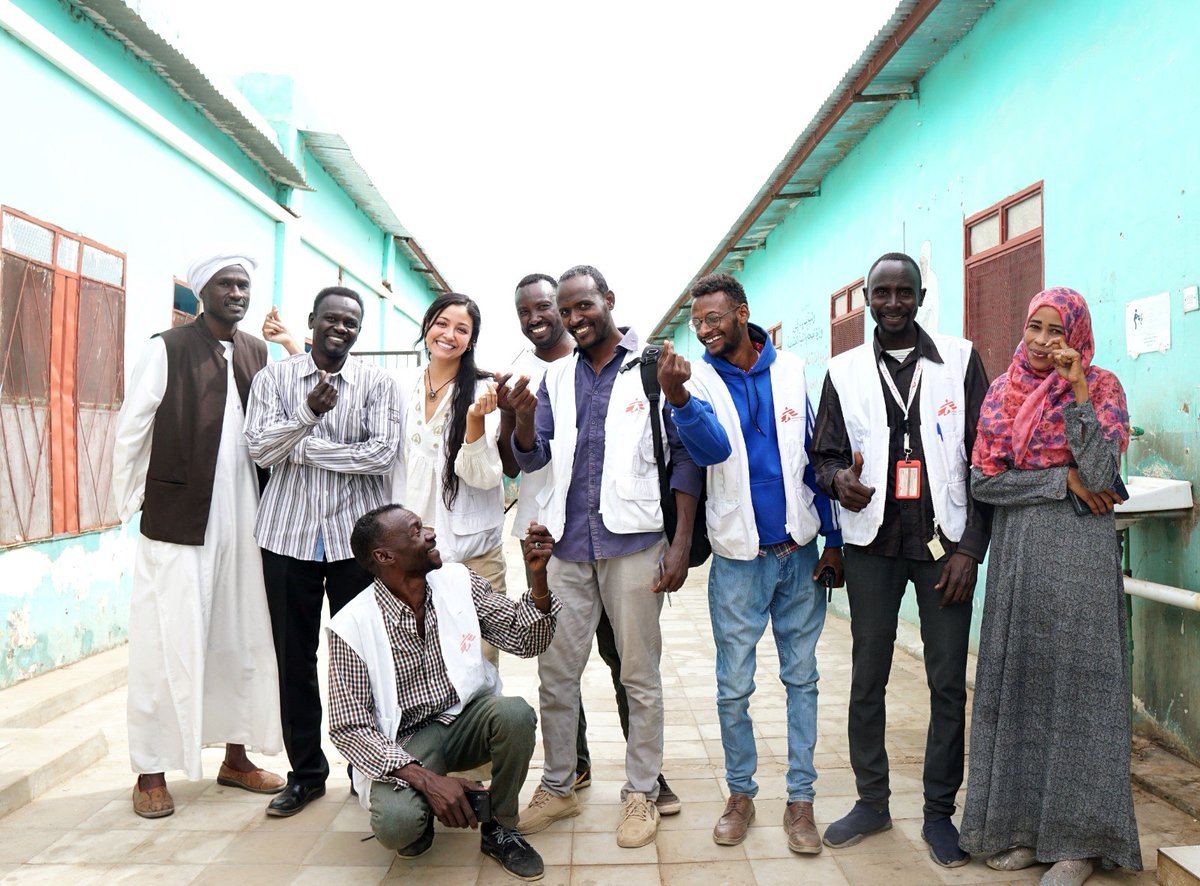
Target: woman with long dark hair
450 474
1050 731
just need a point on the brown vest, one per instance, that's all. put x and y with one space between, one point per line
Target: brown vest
187 430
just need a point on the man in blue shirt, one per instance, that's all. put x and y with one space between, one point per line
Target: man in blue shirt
744 414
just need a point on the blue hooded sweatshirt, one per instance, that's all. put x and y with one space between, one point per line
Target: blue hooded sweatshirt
708 444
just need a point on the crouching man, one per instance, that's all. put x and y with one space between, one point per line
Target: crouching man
411 696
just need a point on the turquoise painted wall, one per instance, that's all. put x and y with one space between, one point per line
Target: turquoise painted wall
1100 102
81 34
80 165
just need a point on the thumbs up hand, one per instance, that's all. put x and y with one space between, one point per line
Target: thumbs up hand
848 485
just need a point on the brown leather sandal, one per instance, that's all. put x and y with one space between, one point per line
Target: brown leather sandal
258 781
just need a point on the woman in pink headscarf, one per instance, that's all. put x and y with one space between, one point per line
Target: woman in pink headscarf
1050 732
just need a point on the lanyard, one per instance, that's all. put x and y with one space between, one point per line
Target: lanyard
912 393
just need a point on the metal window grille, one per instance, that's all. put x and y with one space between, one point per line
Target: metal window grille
847 320
388 359
1003 276
62 328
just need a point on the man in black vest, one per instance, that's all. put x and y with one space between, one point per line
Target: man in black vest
201 658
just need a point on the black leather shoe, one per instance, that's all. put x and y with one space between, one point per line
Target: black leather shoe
294 798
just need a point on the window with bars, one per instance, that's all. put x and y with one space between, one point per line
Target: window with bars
1003 270
62 340
846 318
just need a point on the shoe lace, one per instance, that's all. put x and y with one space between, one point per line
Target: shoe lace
539 799
636 807
504 836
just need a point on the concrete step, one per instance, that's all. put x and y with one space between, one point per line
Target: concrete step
1178 866
36 702
32 761
48 726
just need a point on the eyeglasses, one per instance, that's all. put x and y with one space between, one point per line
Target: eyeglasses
711 319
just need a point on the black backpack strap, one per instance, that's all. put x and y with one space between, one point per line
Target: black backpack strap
649 361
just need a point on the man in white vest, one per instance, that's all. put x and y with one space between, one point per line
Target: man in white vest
590 422
537 314
892 441
411 696
744 414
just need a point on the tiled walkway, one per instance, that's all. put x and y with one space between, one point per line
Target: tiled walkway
84 831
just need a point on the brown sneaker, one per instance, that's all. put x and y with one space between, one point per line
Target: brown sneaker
800 828
154 803
734 821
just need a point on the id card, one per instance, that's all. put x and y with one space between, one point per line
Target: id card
908 480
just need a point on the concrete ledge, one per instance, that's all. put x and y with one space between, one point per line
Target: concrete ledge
37 701
1161 773
1178 866
34 760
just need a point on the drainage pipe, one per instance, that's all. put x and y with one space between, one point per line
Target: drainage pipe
1172 596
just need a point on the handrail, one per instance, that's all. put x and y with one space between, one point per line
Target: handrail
1172 596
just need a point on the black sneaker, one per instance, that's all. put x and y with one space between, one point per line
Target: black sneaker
583 778
508 847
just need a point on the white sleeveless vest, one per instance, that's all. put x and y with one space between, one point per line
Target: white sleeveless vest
629 495
360 624
855 375
729 511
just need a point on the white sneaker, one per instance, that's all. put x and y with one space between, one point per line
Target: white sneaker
546 808
639 821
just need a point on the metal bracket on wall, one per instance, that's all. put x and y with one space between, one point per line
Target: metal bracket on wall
796 195
860 97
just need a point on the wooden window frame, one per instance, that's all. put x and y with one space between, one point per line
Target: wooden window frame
775 336
836 319
1005 243
63 395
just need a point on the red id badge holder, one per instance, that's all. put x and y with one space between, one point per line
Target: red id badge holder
908 480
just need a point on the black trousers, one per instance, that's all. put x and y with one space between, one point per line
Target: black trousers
876 586
295 589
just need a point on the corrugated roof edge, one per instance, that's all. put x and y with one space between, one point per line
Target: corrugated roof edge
222 104
334 154
903 23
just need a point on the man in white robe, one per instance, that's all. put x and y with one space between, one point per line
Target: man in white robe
201 656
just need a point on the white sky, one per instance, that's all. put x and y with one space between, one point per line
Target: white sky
530 136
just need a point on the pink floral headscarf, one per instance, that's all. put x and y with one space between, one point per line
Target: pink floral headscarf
1021 423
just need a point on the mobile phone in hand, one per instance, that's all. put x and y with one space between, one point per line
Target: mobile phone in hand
481 804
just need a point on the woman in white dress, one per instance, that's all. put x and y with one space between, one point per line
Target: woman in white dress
450 472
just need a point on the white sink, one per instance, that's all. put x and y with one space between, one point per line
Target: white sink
1148 494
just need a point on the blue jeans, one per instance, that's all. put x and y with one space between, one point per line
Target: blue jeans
741 596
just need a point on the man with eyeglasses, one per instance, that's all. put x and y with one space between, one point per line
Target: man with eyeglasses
743 412
590 422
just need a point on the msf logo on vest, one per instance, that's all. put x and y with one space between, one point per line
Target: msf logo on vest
467 641
637 405
788 414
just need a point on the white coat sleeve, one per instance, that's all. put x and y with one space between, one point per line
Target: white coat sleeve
135 428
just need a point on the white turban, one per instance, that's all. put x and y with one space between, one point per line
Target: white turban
203 269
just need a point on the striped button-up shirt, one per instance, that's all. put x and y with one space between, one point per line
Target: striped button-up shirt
329 469
423 686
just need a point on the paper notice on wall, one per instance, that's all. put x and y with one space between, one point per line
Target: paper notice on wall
1148 324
